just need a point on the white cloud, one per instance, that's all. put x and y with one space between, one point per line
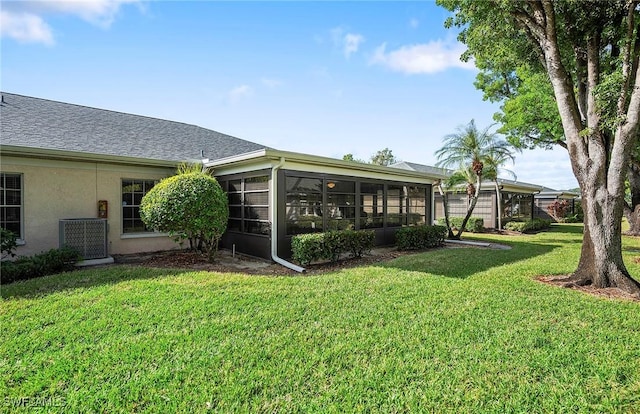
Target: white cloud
551 168
348 42
25 28
239 93
427 58
271 83
352 42
25 20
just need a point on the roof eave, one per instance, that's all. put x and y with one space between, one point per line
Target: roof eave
272 154
64 155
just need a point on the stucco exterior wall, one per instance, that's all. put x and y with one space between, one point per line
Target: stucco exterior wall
56 189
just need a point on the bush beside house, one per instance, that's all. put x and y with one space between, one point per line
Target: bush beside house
331 245
420 237
528 226
474 224
189 206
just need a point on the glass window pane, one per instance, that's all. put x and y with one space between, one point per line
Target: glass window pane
234 225
304 224
235 185
148 185
235 198
235 212
12 181
127 186
371 222
11 214
256 183
334 186
341 212
340 224
395 220
394 206
12 198
256 213
254 199
304 199
303 185
341 199
396 190
127 212
257 227
415 219
13 227
371 188
139 226
137 198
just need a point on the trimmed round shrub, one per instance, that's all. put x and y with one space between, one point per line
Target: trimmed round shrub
190 206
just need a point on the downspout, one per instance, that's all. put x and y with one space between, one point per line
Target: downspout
274 220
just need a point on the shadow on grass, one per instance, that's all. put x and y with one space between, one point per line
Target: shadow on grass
82 279
463 262
573 228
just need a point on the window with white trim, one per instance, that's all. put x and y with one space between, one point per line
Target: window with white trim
11 203
132 193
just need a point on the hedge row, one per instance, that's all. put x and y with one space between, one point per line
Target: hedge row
46 263
420 237
474 225
330 245
529 225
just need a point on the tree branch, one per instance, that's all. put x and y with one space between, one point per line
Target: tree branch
628 58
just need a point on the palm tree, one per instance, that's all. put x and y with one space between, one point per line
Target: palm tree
471 152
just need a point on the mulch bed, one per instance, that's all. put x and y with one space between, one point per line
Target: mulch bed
225 263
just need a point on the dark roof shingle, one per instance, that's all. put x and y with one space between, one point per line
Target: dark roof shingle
39 123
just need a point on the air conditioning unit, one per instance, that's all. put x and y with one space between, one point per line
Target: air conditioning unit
86 235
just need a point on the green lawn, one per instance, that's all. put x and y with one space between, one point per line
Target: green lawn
450 330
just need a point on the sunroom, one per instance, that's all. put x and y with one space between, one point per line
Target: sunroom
275 195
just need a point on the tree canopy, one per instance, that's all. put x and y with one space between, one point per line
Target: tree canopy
582 56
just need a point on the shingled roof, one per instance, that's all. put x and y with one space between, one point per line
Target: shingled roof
39 123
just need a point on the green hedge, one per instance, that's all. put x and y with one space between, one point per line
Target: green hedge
46 263
420 237
308 248
474 225
529 225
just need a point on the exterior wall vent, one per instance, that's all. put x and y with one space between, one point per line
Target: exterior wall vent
87 235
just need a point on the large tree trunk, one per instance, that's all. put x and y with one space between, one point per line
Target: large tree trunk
601 263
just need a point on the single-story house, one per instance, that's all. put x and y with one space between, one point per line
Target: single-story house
517 198
73 172
548 196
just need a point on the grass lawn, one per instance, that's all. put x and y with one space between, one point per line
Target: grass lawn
449 330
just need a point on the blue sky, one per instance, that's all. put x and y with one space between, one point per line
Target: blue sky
324 78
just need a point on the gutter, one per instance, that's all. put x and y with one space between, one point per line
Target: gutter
274 221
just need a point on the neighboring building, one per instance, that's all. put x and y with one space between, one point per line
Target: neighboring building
517 198
63 161
548 196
